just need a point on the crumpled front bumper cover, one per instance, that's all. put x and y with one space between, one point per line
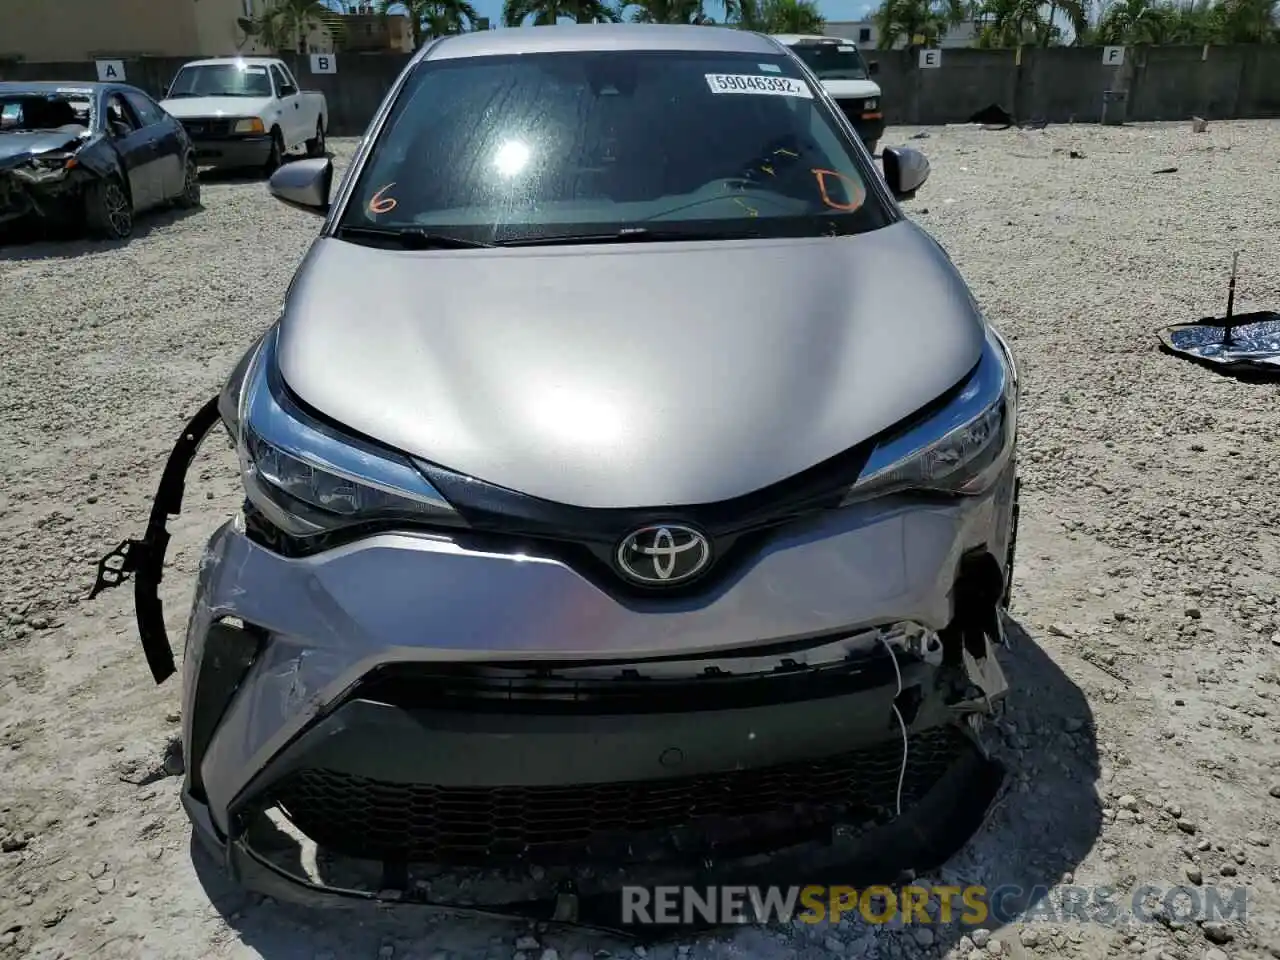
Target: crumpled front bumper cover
936 828
919 839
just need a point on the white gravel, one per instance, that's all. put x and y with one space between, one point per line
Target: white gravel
1143 737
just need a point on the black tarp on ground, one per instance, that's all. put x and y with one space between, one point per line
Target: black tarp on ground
1252 349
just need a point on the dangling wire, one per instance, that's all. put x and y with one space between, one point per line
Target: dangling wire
902 772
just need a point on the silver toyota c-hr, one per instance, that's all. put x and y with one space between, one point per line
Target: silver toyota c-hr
626 476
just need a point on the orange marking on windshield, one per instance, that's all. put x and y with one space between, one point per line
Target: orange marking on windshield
380 204
854 189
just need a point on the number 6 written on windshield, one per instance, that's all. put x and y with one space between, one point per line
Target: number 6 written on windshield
380 204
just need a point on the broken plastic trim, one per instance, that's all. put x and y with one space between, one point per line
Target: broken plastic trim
921 840
144 559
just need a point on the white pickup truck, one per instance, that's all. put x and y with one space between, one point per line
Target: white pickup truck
246 112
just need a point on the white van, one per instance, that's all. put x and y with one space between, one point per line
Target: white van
838 63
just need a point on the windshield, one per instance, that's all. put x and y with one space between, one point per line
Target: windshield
539 146
221 80
29 112
833 61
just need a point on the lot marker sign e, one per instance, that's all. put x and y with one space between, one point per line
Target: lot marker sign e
930 59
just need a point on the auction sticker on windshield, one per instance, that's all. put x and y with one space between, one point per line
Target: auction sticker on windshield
754 83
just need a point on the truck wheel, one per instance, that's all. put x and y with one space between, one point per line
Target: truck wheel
108 211
189 199
316 146
276 156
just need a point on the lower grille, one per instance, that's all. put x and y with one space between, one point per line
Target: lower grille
207 128
640 821
853 109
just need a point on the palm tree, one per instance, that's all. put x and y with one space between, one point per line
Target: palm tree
666 11
1248 21
1011 23
515 13
432 18
776 16
1132 22
295 19
907 19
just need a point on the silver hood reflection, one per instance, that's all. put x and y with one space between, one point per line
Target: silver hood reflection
630 375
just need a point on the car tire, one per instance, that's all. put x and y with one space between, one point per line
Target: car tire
316 147
189 199
108 211
276 156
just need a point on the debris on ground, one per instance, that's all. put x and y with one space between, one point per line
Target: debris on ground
1241 344
993 117
1199 125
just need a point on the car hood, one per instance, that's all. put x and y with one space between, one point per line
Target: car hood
15 147
630 375
186 107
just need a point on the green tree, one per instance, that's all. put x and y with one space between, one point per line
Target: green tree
907 19
295 19
1011 23
665 11
516 13
432 18
776 16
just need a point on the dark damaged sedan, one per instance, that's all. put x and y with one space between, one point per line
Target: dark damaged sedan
94 154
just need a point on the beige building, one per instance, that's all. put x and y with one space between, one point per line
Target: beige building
66 30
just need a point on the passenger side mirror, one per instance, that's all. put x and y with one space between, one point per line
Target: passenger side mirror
304 184
905 170
873 67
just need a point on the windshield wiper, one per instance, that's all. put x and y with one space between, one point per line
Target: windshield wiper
412 238
629 235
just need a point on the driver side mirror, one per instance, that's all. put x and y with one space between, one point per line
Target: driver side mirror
905 171
304 184
873 67
287 90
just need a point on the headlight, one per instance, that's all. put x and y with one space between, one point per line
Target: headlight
248 125
871 105
962 449
307 478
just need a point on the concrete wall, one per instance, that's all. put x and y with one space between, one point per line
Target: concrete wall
1058 84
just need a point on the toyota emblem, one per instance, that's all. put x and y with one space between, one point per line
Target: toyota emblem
663 555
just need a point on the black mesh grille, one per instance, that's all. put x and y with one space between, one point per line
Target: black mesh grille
208 128
423 823
852 108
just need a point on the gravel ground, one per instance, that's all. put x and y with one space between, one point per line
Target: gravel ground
1142 738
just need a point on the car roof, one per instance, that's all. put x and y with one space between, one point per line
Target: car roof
59 86
247 61
793 38
589 37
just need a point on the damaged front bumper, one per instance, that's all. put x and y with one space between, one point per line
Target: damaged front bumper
45 190
454 730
